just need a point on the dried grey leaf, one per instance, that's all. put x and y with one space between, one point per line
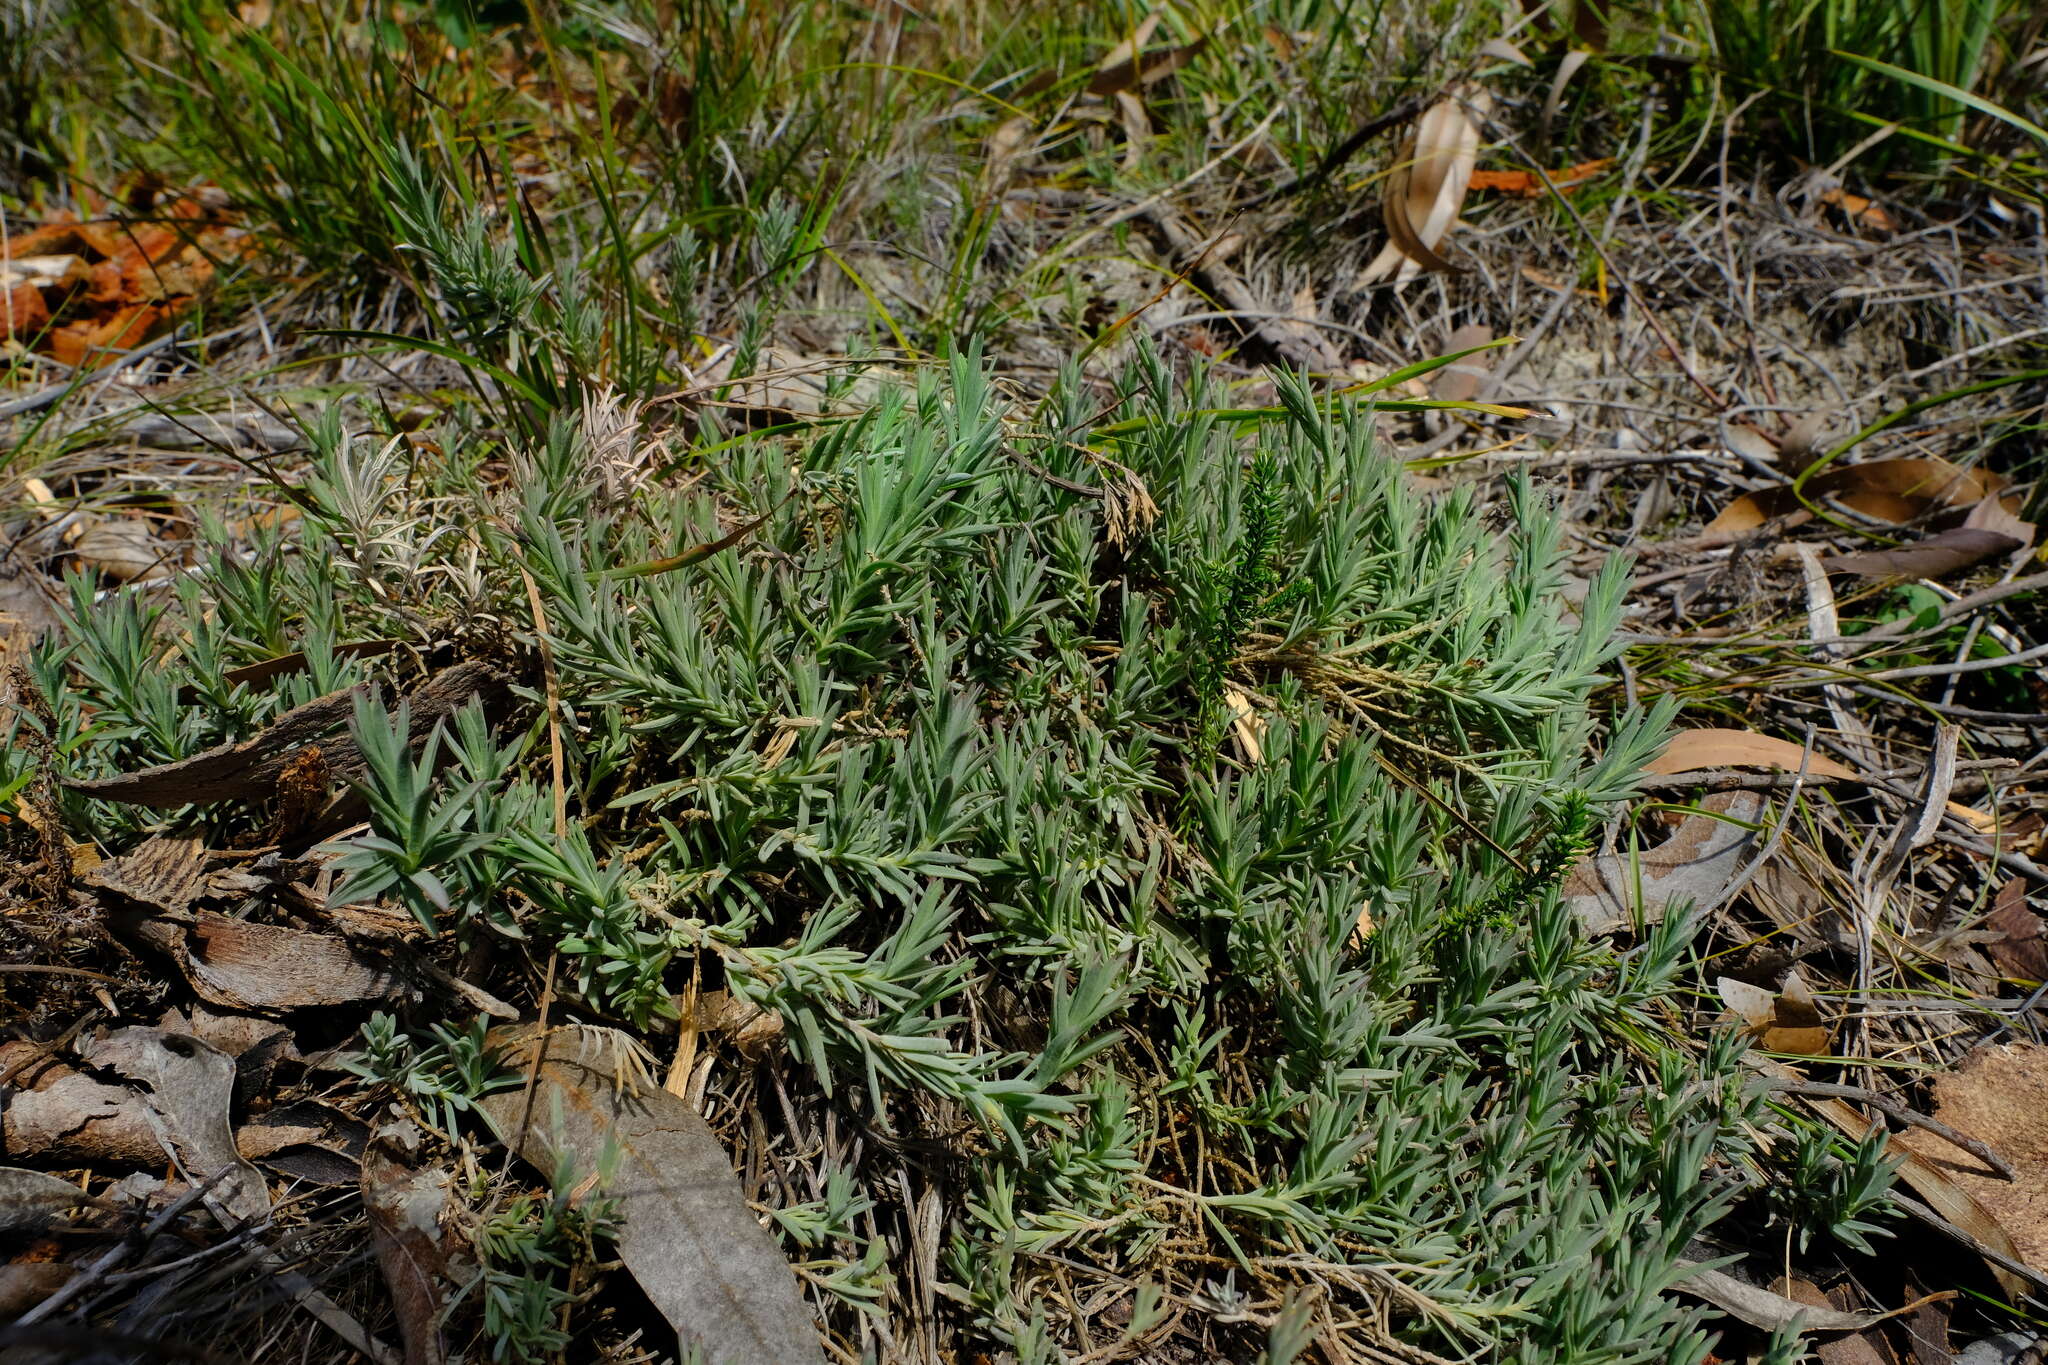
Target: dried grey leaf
686 1233
31 1201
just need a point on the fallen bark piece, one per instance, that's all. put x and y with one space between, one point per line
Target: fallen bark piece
60 1115
1928 1165
269 969
406 1206
1997 1095
254 767
685 1231
162 875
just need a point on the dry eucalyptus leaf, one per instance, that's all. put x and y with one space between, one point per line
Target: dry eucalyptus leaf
1897 491
1503 50
1992 514
1422 197
1761 1308
1137 125
1937 556
31 1201
1785 1020
1462 381
1118 66
1694 866
1695 750
2019 949
1005 152
1126 68
1852 1349
685 1231
1554 100
187 1089
406 1207
122 550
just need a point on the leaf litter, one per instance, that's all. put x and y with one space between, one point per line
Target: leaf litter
1787 799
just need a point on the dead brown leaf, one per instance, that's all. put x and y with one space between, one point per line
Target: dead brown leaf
1422 196
1137 125
1005 152
187 1088
24 1284
1897 491
1857 209
1503 50
685 1230
1992 514
2018 948
1937 556
1126 68
1461 381
1786 1020
123 549
1695 750
1760 1307
31 1201
108 285
1858 1348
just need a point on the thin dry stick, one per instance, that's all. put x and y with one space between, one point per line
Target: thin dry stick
1823 1090
120 1251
